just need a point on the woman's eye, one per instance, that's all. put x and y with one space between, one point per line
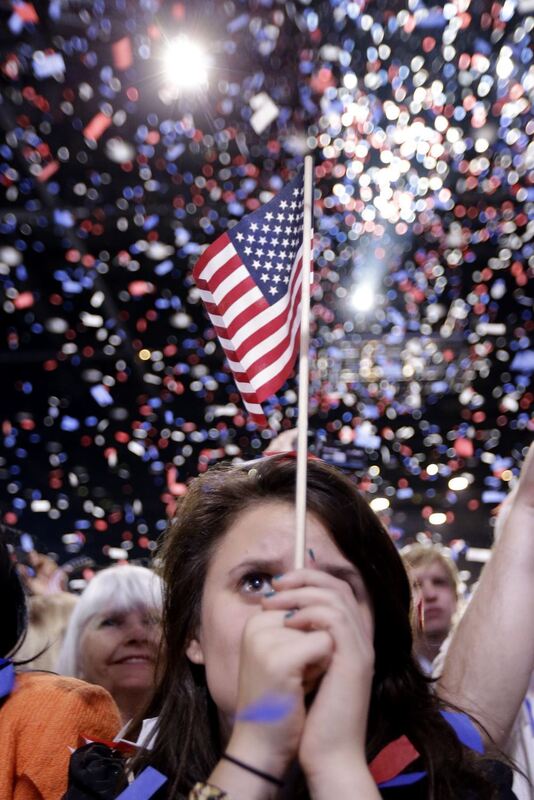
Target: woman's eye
109 622
151 621
256 583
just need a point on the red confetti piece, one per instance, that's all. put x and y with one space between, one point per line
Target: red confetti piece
96 127
48 171
24 300
173 485
139 288
178 11
129 748
464 447
26 11
393 759
11 67
122 53
27 424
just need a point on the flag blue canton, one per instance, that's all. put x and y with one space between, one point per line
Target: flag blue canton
268 240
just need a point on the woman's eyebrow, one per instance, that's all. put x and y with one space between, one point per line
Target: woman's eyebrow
270 565
107 614
348 574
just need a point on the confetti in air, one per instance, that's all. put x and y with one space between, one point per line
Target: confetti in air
113 181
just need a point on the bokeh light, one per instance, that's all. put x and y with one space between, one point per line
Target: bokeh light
113 181
186 63
363 297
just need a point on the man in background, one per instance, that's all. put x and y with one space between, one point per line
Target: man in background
436 588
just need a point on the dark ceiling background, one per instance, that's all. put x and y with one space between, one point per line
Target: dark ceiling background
114 389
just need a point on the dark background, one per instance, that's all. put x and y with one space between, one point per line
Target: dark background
420 120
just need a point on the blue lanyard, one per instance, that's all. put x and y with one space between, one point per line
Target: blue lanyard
7 677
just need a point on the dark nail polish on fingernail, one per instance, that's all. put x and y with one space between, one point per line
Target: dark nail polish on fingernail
277 577
291 613
269 594
311 554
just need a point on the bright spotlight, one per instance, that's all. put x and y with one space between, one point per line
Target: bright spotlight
186 63
363 298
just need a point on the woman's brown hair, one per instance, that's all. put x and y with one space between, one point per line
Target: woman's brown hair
186 745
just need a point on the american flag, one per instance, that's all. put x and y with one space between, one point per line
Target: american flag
250 281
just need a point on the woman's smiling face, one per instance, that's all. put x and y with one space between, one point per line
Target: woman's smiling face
118 650
256 547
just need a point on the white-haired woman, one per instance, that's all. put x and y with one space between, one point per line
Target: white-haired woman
114 633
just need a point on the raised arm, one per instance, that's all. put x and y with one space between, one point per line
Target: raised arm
491 656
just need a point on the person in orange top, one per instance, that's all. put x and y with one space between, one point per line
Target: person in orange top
42 715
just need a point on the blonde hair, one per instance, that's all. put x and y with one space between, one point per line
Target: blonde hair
48 617
418 555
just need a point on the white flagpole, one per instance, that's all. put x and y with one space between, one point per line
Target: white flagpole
302 424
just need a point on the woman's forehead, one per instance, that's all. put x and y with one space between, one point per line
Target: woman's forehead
267 530
121 609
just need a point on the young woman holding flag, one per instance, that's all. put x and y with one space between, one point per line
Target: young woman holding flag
297 683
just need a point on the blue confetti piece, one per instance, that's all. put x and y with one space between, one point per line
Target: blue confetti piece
237 23
500 462
15 24
48 65
403 780
434 19
181 237
365 438
54 9
269 708
492 496
101 395
370 412
150 222
482 46
164 268
64 218
144 786
528 706
72 287
192 247
7 677
26 542
69 423
439 387
465 730
523 361
174 152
